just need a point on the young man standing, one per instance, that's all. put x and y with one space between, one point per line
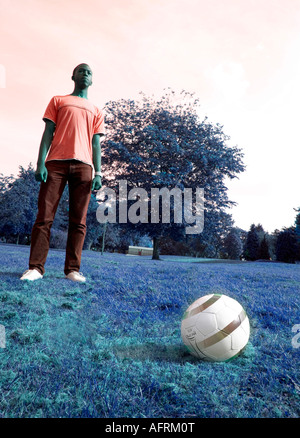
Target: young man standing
70 153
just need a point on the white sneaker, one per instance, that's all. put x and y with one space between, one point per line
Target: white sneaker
76 276
31 275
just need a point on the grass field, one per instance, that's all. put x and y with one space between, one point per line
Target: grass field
112 347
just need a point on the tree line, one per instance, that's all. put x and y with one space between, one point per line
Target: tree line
256 244
159 143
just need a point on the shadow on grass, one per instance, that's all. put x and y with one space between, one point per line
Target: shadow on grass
155 352
47 275
11 274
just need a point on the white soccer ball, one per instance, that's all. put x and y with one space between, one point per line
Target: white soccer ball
215 328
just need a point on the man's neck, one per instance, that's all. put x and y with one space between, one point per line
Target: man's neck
80 92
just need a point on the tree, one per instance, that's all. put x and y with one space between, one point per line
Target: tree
163 144
264 253
233 245
210 242
297 222
286 247
18 208
297 231
18 204
272 242
251 249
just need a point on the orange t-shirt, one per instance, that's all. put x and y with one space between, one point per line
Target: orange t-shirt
76 120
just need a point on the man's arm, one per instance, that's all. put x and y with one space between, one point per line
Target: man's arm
97 183
41 172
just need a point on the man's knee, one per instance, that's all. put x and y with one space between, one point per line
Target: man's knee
44 224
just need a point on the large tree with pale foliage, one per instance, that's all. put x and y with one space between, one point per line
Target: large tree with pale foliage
157 143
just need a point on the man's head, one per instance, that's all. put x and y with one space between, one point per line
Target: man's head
82 76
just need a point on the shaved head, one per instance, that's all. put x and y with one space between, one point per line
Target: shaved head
81 65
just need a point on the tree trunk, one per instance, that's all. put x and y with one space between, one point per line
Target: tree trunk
155 249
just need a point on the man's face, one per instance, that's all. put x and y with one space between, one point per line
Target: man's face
83 76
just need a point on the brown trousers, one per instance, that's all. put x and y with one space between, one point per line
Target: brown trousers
78 175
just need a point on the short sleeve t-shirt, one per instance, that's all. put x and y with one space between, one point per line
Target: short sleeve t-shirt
76 120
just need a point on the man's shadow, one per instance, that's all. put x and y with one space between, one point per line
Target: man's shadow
155 352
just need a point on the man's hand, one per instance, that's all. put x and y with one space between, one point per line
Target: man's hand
41 173
97 184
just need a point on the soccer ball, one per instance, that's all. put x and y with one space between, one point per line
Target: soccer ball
215 328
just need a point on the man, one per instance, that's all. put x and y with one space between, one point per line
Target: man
69 153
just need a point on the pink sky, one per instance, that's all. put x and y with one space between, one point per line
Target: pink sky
241 58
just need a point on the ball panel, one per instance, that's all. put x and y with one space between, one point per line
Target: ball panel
232 304
206 323
240 336
190 333
216 305
235 323
201 304
218 336
194 350
198 302
225 317
220 351
246 326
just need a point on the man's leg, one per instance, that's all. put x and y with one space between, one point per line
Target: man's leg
80 185
49 196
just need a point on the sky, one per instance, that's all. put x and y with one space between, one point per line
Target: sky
239 57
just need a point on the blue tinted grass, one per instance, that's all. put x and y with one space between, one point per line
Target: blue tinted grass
112 347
